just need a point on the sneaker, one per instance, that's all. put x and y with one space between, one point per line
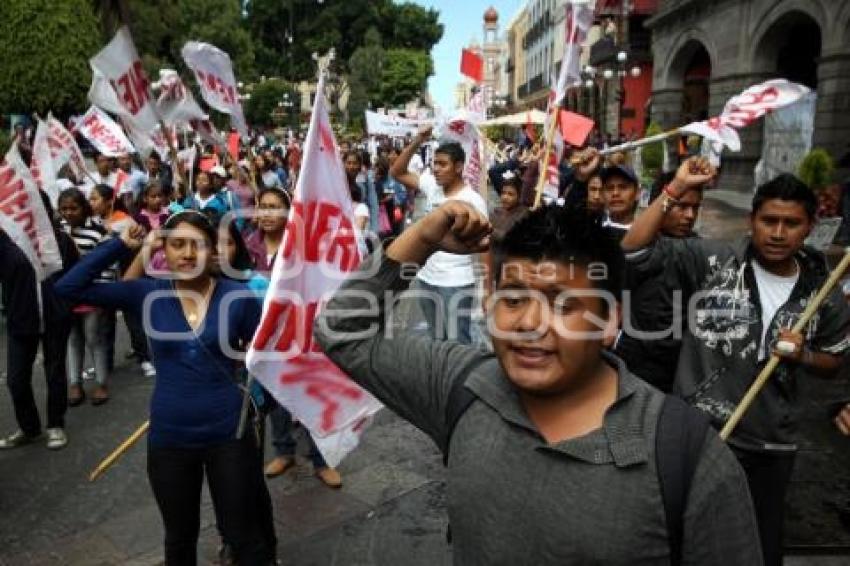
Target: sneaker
17 438
330 477
148 370
279 465
56 438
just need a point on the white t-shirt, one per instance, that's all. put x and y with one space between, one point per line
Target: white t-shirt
415 165
444 269
774 291
361 211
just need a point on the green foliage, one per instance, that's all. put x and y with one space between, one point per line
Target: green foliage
160 29
365 74
816 169
44 49
652 155
5 142
404 75
341 24
499 133
264 100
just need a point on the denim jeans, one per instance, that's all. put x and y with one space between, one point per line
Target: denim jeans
283 441
89 334
447 310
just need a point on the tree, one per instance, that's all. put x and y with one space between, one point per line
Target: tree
405 75
365 75
652 155
45 47
264 100
341 24
816 169
160 29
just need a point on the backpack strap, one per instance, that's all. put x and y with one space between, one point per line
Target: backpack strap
460 398
679 438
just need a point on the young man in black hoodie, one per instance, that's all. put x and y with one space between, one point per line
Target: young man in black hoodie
742 301
35 314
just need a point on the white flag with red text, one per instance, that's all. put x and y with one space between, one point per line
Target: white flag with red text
319 250
52 148
23 217
121 68
214 73
745 108
579 19
175 102
104 134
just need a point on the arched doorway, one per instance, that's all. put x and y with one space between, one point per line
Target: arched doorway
691 68
695 86
790 49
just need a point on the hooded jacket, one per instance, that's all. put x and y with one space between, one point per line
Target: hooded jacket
718 360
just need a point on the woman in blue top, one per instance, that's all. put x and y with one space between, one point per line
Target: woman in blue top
196 323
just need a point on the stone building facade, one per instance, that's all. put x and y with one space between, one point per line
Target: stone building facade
705 52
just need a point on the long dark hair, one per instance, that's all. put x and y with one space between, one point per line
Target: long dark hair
195 219
77 196
242 261
108 193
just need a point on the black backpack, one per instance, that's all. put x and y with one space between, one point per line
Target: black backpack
679 439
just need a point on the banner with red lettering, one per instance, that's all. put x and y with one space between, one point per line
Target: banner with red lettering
52 148
105 135
175 102
102 95
23 217
319 250
578 21
121 66
745 108
214 73
207 132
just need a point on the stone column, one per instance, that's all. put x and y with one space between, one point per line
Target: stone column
832 115
737 169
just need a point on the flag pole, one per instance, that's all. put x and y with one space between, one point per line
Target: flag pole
118 452
768 369
544 167
632 145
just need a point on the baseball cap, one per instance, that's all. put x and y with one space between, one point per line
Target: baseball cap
621 170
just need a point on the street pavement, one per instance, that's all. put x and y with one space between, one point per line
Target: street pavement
390 510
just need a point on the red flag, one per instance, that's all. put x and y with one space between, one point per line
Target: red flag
233 145
575 128
530 132
472 65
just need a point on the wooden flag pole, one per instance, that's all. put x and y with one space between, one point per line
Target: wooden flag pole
632 145
544 166
772 364
118 452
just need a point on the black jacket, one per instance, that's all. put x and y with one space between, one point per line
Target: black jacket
19 292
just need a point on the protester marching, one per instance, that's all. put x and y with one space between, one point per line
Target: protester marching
602 375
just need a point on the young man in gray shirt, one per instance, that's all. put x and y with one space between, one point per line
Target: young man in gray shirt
553 460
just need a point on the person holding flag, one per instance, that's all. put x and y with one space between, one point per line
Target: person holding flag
743 300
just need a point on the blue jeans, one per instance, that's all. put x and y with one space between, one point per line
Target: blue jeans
283 441
447 310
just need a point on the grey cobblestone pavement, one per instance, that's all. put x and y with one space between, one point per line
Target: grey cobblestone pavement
390 510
